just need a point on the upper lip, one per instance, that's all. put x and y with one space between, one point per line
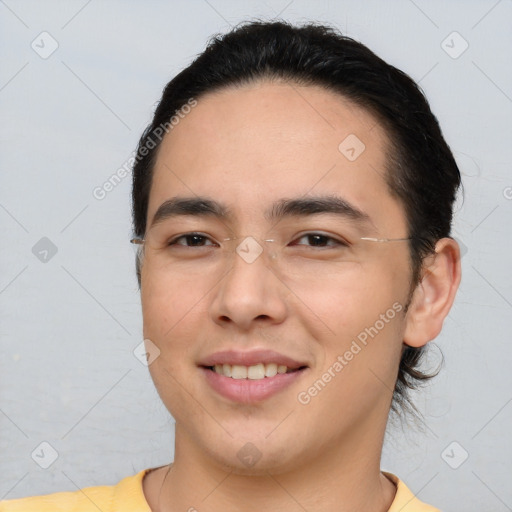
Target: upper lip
250 358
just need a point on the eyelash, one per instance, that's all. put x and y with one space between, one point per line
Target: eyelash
328 238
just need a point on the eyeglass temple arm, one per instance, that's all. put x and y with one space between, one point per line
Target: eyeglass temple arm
371 239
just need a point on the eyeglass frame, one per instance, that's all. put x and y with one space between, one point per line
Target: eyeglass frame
141 241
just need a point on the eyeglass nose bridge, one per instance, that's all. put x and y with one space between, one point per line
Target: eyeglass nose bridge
250 248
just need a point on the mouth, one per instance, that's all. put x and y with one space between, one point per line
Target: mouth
250 377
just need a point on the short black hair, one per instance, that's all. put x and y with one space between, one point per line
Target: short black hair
421 170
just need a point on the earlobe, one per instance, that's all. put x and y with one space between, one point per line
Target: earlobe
434 295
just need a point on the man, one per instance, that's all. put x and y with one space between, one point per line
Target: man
293 201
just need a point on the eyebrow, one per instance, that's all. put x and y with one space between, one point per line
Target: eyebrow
299 207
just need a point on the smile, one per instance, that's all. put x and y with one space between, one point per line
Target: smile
252 376
250 390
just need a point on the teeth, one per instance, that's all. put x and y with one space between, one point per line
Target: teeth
226 370
238 372
270 370
255 372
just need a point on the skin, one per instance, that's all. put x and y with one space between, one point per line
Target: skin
248 147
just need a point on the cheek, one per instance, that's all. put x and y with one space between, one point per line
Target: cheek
173 313
349 303
172 318
168 305
357 374
362 321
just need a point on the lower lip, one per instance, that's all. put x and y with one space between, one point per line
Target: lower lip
249 391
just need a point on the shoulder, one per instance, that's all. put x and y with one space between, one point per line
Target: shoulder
405 500
127 495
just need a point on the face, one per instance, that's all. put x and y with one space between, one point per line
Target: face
305 168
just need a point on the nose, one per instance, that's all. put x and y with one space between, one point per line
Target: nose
250 294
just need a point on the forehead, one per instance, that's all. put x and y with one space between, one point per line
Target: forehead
253 144
257 118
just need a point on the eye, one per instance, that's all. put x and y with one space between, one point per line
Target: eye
191 240
320 240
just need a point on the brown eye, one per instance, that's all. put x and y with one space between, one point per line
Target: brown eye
320 240
191 240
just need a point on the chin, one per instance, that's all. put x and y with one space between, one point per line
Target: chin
256 455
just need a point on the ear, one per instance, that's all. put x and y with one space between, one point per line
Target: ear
434 295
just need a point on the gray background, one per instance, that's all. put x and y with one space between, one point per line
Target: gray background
71 320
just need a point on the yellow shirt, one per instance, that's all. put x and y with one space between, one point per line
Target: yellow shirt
128 496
